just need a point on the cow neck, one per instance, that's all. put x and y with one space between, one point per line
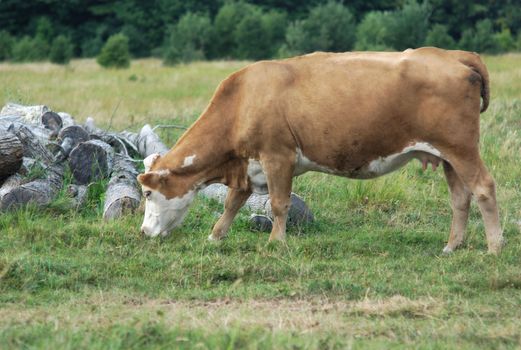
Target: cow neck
203 151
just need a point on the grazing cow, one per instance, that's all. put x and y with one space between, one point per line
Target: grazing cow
358 115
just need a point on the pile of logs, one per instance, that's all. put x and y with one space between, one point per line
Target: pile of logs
37 146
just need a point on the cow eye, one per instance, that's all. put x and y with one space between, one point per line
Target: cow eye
147 194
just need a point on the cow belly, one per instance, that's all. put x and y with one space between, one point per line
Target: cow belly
375 167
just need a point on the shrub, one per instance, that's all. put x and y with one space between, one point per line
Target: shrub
371 33
225 24
259 34
504 40
61 50
189 39
329 27
44 30
439 36
479 39
6 45
30 49
407 27
114 53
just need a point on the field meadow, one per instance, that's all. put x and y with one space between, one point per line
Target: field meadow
367 274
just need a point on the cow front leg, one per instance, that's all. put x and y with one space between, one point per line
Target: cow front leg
235 199
460 198
279 174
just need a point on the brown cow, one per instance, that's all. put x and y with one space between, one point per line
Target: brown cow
358 115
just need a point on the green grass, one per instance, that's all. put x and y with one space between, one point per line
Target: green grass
367 274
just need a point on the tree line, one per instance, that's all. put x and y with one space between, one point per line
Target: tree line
182 31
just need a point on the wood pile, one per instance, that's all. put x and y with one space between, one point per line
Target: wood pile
38 146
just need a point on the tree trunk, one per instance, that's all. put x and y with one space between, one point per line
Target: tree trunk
11 154
123 195
90 161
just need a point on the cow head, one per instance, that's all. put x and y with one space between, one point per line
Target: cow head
167 197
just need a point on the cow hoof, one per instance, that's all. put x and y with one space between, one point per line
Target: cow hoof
211 238
447 250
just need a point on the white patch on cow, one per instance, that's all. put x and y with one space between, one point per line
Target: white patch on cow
188 161
304 164
385 165
148 161
162 214
375 168
257 177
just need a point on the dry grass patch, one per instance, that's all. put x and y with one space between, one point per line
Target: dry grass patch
301 316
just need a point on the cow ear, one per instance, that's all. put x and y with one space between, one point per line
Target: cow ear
153 179
149 161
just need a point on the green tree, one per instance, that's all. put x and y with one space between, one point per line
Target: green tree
61 50
371 32
504 40
30 49
115 53
480 38
439 36
328 27
189 39
6 45
408 26
225 23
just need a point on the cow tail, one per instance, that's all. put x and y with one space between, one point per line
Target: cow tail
473 61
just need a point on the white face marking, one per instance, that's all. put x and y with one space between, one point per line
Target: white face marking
188 161
162 214
375 168
257 177
148 161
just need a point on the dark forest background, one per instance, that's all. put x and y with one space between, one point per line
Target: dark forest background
187 30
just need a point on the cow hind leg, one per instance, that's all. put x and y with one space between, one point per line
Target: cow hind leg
279 174
476 177
235 199
460 199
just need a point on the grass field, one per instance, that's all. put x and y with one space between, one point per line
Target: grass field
367 274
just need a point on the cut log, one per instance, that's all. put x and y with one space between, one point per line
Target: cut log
148 142
11 154
78 194
53 122
298 214
10 183
69 137
40 191
123 195
29 114
116 140
91 161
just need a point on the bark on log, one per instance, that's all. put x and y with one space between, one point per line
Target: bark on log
116 140
40 191
298 214
123 195
11 154
69 137
53 122
90 161
10 183
29 114
78 194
